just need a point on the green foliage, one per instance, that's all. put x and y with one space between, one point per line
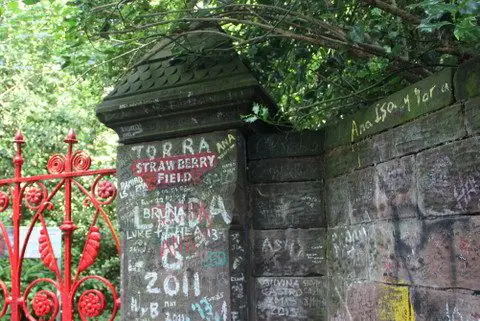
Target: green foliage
45 90
459 16
259 112
319 59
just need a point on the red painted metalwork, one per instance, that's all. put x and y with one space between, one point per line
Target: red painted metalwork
32 193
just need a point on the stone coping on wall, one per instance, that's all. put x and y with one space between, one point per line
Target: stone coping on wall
430 94
423 97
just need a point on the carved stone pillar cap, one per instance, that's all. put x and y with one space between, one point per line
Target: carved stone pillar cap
187 84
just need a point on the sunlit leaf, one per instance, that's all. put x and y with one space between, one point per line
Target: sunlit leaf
30 2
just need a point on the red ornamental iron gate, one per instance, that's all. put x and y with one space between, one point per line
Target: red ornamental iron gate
63 294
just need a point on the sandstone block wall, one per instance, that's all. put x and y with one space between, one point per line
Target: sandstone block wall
377 218
289 226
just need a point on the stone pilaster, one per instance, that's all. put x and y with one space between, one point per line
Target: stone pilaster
181 177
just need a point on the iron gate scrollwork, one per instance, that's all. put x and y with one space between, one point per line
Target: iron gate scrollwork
65 173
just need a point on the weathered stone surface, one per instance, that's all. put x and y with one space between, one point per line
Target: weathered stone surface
385 265
337 299
157 126
445 305
362 195
287 144
386 191
466 256
343 159
432 263
356 302
350 251
395 189
472 115
435 253
239 285
351 198
374 252
285 170
291 298
434 129
377 251
400 255
284 205
425 96
467 79
177 201
291 252
338 207
449 178
414 252
371 301
408 138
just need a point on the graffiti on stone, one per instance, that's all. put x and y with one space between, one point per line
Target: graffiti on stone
176 212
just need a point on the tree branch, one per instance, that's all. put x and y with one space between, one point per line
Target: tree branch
268 10
396 11
323 40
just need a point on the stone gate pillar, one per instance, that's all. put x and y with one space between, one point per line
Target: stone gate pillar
181 172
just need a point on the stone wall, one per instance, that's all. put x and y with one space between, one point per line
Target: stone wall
288 215
376 218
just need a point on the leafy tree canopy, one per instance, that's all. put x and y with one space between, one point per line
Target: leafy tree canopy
44 91
319 59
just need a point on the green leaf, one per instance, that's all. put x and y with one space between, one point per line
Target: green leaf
264 113
13 5
250 118
357 34
467 30
376 12
30 2
256 108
